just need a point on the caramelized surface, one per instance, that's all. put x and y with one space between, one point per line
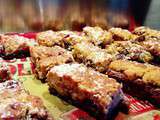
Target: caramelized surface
83 83
133 70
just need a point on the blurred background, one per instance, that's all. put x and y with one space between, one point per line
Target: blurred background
38 15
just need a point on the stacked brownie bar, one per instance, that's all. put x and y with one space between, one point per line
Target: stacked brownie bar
17 104
142 80
14 46
86 88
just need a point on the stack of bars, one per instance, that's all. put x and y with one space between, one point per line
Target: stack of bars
92 67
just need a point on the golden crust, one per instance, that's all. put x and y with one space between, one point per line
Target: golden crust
152 45
129 50
146 31
133 70
120 34
97 35
44 65
92 56
48 38
14 43
40 52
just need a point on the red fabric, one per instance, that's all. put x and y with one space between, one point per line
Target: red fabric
132 24
29 35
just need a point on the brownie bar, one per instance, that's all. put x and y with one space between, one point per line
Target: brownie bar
49 38
39 52
4 72
92 56
71 38
17 104
14 46
129 50
141 80
150 39
146 31
98 36
44 65
120 34
152 45
93 91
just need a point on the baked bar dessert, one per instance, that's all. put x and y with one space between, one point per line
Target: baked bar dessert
48 38
120 34
152 45
98 36
17 104
149 38
40 52
92 56
44 65
141 80
129 50
91 90
71 38
146 31
14 46
4 72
